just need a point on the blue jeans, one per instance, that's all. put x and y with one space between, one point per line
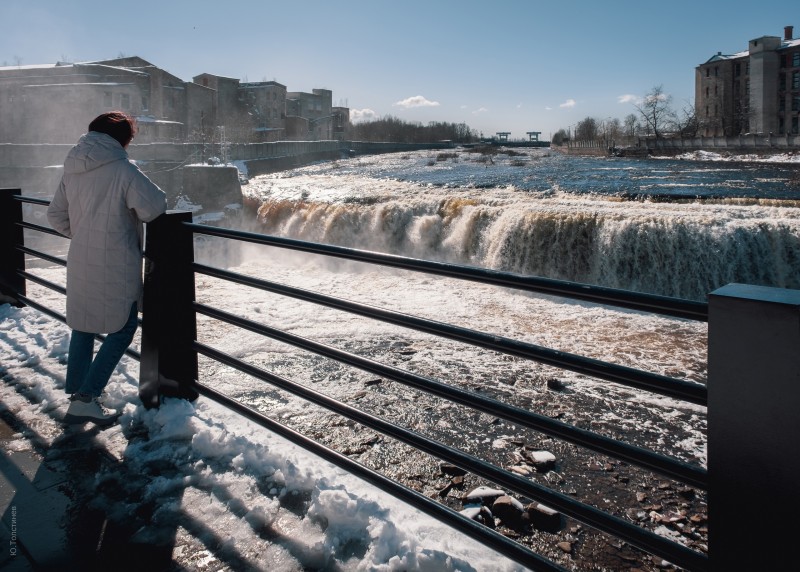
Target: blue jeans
90 376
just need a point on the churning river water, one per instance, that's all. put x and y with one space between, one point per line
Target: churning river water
674 227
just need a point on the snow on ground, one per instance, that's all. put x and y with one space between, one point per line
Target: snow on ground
210 449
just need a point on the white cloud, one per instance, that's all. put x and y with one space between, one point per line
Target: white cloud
548 108
480 110
416 101
365 114
628 98
568 103
659 97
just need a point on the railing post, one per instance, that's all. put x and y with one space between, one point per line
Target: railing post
11 234
168 366
753 427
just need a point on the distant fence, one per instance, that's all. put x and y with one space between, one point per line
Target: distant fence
752 396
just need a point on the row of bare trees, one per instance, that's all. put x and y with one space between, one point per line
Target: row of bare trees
655 116
393 129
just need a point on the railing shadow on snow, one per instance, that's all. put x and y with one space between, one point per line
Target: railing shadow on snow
742 343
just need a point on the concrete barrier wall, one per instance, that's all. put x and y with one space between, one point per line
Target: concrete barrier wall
36 168
738 143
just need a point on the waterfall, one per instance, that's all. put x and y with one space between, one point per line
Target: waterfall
684 250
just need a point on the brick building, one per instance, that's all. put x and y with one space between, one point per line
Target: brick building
753 91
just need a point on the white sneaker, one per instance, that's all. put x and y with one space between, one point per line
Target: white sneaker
85 408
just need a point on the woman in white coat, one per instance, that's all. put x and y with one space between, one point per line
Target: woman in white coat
100 204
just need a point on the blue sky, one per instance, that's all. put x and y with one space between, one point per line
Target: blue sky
496 65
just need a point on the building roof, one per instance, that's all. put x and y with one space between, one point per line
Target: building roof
719 56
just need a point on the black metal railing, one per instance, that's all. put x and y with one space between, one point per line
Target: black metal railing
169 323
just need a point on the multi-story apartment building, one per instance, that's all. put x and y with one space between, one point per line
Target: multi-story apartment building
753 91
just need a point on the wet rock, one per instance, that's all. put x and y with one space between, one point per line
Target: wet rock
482 495
544 518
566 547
523 470
636 514
509 510
543 461
555 384
458 481
480 514
448 469
375 381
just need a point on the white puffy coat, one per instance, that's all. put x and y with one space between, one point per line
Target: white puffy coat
100 204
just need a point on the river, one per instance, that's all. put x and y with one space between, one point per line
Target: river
674 227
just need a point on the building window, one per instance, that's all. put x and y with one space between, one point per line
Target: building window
708 72
145 104
738 69
716 89
796 59
125 101
796 103
795 80
794 125
782 104
782 81
716 71
107 99
706 91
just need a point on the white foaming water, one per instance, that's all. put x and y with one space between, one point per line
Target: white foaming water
683 249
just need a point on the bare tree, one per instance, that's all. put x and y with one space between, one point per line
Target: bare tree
686 121
560 137
655 110
631 125
586 130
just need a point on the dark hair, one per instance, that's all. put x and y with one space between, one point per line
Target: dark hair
118 124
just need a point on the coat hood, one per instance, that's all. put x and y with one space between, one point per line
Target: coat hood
93 150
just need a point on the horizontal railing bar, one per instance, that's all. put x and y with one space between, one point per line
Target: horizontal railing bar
689 474
675 307
487 536
40 228
43 255
678 389
46 283
631 533
31 200
44 309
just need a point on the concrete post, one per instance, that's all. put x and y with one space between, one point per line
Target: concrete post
168 366
11 234
753 427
